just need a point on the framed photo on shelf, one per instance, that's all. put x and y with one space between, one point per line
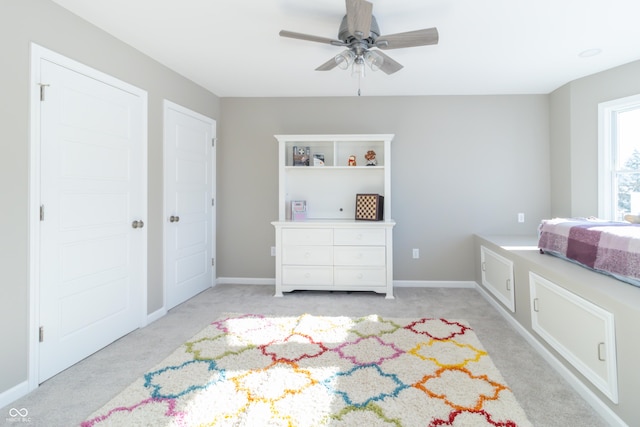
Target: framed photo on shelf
301 155
318 159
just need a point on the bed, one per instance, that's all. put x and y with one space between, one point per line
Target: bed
608 247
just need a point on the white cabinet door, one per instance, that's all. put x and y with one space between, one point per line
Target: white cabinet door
189 211
579 330
497 276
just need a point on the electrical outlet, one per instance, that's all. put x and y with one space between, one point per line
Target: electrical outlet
416 253
521 217
273 251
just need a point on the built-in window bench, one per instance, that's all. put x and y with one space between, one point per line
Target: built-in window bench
586 324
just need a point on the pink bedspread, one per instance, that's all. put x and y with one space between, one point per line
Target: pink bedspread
606 246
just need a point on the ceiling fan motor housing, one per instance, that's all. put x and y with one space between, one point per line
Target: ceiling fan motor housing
345 36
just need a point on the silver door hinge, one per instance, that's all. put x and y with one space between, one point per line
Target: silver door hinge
213 142
41 334
42 86
213 261
213 201
41 212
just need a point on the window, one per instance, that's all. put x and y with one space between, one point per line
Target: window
619 158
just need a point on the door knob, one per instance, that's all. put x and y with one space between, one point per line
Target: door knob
173 218
137 224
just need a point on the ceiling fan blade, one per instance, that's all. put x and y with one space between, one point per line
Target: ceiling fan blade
389 65
359 14
409 39
308 37
329 65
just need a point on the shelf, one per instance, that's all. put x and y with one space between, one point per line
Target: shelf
334 167
330 190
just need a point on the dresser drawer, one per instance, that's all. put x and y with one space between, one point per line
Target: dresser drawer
359 255
307 255
359 237
307 236
362 276
292 275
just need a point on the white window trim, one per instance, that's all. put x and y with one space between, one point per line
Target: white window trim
606 111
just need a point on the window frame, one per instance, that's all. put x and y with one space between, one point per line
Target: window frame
607 146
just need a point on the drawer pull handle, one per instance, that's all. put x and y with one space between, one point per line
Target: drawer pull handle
601 352
360 276
307 275
307 255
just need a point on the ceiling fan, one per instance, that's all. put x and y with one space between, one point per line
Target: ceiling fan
359 33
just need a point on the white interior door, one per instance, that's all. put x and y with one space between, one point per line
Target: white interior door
92 270
189 203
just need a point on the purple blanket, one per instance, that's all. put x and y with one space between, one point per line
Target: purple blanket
606 246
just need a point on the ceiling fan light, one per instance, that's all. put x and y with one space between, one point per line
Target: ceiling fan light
344 59
358 67
374 60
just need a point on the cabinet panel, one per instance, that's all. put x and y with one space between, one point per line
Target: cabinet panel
307 275
307 255
359 237
361 276
497 276
307 236
579 330
358 255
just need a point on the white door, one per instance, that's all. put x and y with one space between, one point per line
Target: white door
92 270
189 203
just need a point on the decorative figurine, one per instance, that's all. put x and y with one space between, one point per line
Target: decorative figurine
371 158
352 160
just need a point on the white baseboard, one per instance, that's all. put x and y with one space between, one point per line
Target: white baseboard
13 394
244 281
585 392
432 284
156 315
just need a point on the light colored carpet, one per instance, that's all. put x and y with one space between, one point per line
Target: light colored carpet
255 370
73 395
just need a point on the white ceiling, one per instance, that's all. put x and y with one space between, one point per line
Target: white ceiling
232 47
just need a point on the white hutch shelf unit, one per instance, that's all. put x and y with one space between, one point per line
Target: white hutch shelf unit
330 249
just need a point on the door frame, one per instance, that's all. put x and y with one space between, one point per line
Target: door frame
166 106
39 53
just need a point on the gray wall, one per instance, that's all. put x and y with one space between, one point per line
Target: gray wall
574 136
43 22
460 165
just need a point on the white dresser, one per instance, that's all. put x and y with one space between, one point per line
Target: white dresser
330 249
343 255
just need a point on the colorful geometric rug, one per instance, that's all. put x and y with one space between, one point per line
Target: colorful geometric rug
253 370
